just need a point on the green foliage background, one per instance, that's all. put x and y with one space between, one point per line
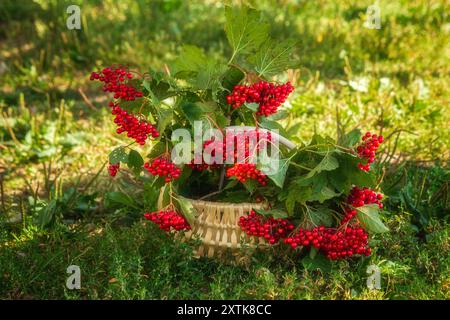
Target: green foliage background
54 142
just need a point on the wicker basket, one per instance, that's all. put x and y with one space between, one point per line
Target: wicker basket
216 225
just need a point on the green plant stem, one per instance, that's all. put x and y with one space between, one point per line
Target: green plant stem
300 166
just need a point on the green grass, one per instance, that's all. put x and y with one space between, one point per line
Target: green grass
53 143
141 262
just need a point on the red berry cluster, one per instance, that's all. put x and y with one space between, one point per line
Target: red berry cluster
198 163
367 148
359 197
113 169
167 219
246 142
269 228
163 168
346 243
268 95
135 128
113 79
236 147
306 237
245 171
335 244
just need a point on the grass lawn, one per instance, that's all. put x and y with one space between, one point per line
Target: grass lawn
56 133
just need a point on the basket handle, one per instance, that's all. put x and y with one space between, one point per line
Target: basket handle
283 140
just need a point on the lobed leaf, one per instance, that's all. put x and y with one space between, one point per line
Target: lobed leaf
328 163
273 57
244 29
275 213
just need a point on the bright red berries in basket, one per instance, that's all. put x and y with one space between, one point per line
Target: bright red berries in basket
244 171
215 132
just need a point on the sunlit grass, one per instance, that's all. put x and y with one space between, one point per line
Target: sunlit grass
393 81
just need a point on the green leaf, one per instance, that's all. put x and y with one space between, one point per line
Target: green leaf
313 252
291 199
348 174
293 131
250 185
272 125
207 106
158 90
191 60
46 214
351 138
221 120
202 72
151 196
321 216
320 143
158 182
273 57
369 218
158 149
280 175
120 198
279 115
165 201
135 160
252 106
318 263
328 163
165 117
303 195
192 111
275 213
118 155
208 76
325 193
231 78
318 186
231 184
188 210
244 29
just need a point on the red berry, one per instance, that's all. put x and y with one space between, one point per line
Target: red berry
367 148
163 168
244 171
358 198
268 228
267 95
137 129
113 169
236 148
114 82
168 219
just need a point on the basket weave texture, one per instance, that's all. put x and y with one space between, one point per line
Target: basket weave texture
216 225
